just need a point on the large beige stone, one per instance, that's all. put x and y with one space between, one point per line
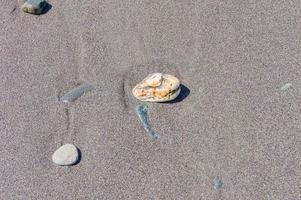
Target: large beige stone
157 87
34 7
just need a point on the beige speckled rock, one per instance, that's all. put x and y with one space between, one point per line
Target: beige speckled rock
157 87
34 7
65 155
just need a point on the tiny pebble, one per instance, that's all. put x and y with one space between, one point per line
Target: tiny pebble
65 155
286 86
217 183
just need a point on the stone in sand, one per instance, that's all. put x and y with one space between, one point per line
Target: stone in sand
286 86
157 87
76 92
65 155
142 112
34 7
217 183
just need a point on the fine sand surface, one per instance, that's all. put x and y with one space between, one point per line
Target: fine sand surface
233 121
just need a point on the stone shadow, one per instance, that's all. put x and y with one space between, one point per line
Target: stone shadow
46 8
183 94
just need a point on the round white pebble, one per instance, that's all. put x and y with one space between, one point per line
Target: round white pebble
65 155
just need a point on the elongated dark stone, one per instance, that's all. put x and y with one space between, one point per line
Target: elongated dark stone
142 112
77 92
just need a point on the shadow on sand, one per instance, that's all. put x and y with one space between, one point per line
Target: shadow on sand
183 94
79 157
46 8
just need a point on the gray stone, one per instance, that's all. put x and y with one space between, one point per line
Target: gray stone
217 183
76 92
34 7
286 86
142 112
66 155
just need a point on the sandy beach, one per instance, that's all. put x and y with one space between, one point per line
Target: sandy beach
238 119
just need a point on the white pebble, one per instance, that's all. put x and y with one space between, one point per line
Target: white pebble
65 155
286 86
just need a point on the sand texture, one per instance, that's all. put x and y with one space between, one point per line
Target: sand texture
232 120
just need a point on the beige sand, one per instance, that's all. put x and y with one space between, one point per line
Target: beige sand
236 123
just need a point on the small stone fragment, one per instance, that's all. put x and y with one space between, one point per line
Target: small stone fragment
157 87
142 112
217 183
65 155
286 86
34 7
76 92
